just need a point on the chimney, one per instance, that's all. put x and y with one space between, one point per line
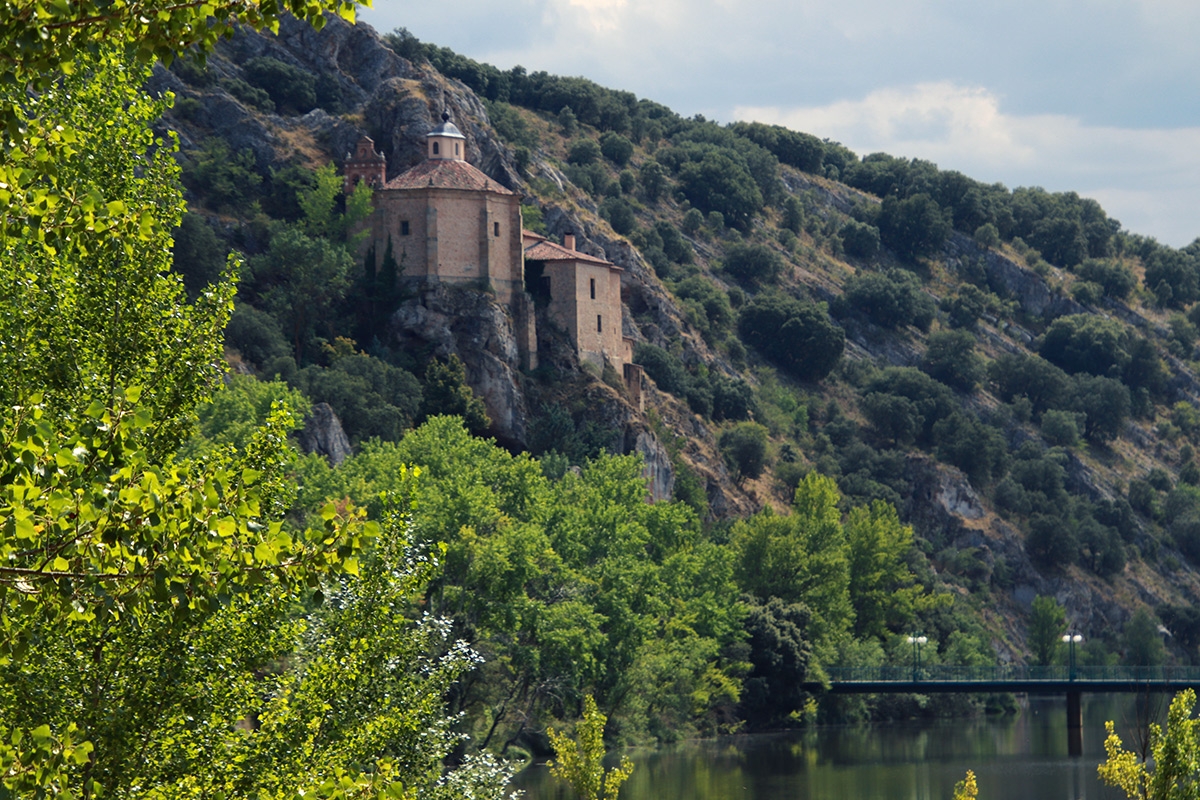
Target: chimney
569 241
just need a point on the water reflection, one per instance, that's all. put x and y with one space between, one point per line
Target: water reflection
1023 756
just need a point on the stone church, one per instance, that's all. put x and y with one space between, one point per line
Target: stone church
448 222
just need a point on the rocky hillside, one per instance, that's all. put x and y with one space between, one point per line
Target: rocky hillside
1010 369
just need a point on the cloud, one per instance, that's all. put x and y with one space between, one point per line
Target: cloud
1084 95
1148 178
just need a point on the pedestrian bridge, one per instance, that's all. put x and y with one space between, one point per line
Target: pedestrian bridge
1018 679
1071 681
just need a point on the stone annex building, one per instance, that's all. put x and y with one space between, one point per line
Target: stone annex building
448 222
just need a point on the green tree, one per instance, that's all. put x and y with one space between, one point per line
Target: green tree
893 417
966 307
653 178
1141 640
1047 623
447 392
950 358
198 255
580 762
147 603
1062 428
860 239
87 313
584 152
753 263
290 87
1105 403
881 584
302 280
913 227
987 235
745 449
719 183
1086 343
793 214
616 148
1032 377
225 181
796 335
800 557
1116 279
892 299
780 654
568 121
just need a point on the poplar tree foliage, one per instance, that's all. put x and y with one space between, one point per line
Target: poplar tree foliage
580 762
1174 753
149 637
1047 622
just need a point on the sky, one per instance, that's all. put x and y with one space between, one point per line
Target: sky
1093 96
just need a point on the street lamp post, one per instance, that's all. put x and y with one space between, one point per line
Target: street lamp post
1071 639
916 642
1074 701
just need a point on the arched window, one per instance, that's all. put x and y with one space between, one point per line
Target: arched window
456 148
435 148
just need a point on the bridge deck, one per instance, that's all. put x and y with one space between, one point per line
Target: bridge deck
1033 680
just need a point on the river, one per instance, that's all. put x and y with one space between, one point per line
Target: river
1019 757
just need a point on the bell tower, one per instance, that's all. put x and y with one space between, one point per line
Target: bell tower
446 142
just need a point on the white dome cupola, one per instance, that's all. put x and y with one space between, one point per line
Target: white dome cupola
446 141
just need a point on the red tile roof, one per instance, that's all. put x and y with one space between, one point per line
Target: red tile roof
445 173
549 251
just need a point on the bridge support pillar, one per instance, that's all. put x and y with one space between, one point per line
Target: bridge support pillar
1074 724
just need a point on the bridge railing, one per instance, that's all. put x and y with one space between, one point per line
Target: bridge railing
1011 674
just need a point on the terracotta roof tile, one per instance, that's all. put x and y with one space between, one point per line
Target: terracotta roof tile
549 251
445 173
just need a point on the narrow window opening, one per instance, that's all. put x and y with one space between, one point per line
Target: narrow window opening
456 148
593 283
404 227
495 229
599 324
435 148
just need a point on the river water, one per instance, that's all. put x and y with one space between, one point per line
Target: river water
1019 757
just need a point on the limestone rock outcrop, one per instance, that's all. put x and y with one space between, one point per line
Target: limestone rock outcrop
444 321
323 434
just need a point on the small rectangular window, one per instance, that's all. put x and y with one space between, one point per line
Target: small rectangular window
404 227
593 282
599 324
495 229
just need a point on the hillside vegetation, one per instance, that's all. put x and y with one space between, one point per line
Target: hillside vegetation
889 398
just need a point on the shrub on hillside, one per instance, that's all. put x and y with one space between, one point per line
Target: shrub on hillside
950 358
583 152
616 148
913 227
795 334
753 263
745 449
289 86
860 239
892 299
